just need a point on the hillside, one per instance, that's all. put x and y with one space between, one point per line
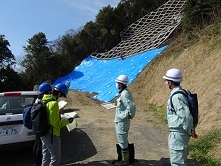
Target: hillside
200 62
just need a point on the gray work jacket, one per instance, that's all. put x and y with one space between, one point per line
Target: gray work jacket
181 119
125 107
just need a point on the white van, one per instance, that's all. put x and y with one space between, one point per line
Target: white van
13 134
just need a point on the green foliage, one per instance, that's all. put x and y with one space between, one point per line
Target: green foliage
158 111
37 61
9 79
109 25
6 56
132 10
88 38
201 148
199 13
68 53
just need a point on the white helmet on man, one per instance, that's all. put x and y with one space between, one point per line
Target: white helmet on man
122 79
174 75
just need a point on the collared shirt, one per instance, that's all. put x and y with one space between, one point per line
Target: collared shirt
125 106
181 119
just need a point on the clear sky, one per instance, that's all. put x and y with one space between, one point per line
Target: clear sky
22 19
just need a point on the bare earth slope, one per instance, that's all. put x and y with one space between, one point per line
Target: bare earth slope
200 62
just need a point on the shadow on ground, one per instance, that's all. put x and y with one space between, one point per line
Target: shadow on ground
18 157
161 162
76 146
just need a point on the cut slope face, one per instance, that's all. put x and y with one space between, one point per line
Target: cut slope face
140 44
200 63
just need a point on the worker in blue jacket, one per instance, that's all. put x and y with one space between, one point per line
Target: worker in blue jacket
180 120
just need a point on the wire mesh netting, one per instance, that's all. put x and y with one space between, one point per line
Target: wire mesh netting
149 32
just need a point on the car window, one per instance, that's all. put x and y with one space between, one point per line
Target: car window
15 104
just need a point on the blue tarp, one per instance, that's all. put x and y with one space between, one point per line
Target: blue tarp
98 76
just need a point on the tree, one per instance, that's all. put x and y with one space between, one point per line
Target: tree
37 60
199 13
9 79
109 23
68 53
6 56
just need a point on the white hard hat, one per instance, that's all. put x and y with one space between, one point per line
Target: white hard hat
174 75
122 79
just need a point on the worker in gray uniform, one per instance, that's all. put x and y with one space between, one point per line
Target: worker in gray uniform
180 121
125 111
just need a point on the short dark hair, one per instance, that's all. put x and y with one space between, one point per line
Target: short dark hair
55 92
176 83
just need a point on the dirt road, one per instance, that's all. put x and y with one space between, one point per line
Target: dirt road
98 140
93 142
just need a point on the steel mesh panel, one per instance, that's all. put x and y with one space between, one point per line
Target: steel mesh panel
149 32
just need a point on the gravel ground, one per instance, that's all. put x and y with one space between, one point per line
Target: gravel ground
93 142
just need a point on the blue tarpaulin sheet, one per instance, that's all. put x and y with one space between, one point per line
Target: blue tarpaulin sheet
98 76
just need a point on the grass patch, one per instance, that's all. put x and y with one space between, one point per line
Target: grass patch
158 111
202 148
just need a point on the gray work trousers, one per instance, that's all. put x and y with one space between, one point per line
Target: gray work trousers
178 147
51 151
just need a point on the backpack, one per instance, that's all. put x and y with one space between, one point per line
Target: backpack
192 102
39 118
27 117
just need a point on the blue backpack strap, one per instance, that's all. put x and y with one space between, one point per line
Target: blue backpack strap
183 92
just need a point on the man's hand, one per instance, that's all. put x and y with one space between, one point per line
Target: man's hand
194 134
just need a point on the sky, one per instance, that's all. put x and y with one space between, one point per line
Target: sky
22 19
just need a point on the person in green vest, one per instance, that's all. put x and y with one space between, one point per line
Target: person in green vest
51 143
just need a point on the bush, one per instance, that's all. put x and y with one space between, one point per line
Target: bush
203 146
